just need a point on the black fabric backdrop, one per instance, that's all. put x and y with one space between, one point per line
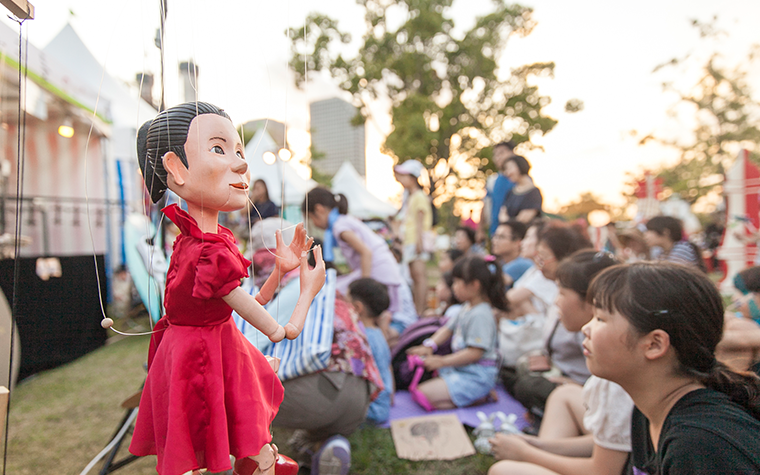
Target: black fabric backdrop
59 319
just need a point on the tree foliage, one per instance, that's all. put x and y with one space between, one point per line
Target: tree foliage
727 119
448 105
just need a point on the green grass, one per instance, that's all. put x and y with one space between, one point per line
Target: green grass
60 419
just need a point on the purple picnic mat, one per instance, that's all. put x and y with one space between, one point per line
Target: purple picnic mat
404 407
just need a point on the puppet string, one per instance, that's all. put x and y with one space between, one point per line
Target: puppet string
87 204
20 160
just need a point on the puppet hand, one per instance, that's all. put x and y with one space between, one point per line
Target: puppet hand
288 257
312 280
277 335
508 447
273 362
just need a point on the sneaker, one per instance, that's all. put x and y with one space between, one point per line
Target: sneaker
303 448
334 458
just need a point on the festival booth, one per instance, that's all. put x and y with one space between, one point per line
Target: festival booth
63 207
126 112
741 191
361 202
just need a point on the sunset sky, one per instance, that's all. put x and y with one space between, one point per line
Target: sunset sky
604 53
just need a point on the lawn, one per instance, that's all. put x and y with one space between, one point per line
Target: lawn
60 419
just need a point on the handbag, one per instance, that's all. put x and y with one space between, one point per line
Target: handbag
518 337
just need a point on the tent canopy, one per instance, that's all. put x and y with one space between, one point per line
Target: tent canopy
361 203
274 175
124 109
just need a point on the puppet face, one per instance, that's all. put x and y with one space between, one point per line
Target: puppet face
217 175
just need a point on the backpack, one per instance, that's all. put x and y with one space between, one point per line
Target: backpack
414 335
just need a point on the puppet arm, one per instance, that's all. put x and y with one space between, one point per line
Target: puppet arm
312 281
287 259
253 313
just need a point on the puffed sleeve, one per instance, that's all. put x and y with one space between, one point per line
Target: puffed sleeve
219 271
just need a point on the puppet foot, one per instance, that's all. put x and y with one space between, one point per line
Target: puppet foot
262 464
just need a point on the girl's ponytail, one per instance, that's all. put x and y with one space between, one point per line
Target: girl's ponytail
743 387
496 290
341 202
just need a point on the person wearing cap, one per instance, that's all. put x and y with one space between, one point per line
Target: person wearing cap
416 217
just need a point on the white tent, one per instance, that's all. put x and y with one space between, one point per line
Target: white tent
273 175
361 202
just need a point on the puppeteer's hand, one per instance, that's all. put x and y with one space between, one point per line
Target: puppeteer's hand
312 281
289 257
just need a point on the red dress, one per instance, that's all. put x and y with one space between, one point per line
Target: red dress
209 392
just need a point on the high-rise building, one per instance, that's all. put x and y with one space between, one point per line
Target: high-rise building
333 135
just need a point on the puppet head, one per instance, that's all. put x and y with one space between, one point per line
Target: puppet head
167 133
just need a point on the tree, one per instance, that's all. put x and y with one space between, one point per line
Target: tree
727 119
321 178
448 107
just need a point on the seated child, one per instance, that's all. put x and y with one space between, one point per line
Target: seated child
449 305
448 258
585 429
370 299
468 374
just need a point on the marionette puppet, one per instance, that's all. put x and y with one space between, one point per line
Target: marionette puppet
209 393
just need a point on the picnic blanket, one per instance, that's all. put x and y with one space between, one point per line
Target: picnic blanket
404 407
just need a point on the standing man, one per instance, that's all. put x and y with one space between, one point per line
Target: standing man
497 187
505 246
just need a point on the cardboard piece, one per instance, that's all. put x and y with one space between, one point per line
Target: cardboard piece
436 437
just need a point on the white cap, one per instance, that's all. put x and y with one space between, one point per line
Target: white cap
410 167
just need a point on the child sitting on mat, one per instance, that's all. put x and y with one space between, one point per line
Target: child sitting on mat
370 299
468 374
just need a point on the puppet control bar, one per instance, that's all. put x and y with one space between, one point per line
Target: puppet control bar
21 8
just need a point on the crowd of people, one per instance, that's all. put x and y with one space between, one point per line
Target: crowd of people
623 356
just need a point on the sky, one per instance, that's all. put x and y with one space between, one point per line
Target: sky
604 52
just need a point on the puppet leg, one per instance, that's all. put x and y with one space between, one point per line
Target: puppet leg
262 464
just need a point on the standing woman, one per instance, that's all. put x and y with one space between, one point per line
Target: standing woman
523 202
654 332
416 217
265 207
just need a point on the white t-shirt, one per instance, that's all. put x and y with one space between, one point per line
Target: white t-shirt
544 290
608 414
